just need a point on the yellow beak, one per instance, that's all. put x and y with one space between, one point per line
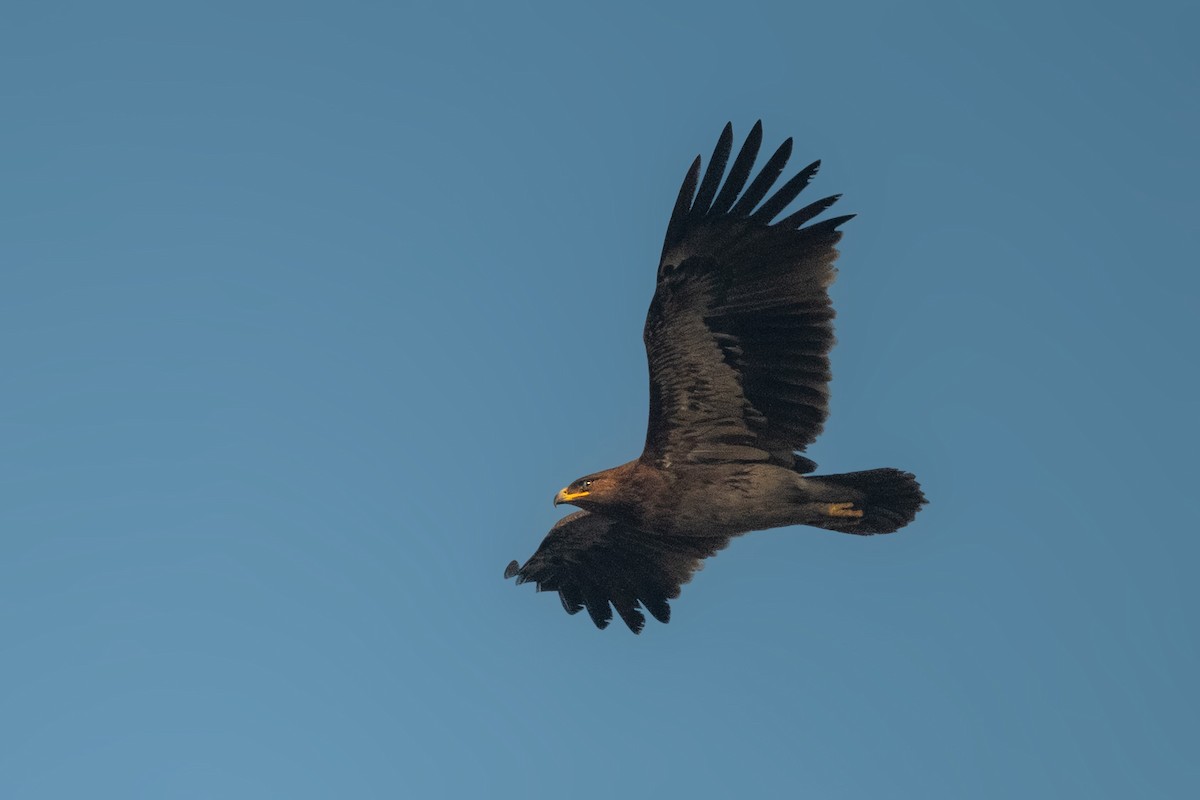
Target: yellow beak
567 496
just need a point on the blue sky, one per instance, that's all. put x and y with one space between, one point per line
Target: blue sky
309 309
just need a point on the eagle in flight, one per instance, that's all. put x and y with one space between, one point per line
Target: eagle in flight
737 339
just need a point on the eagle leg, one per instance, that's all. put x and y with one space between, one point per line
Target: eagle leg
843 510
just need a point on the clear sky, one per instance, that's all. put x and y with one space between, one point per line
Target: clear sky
308 309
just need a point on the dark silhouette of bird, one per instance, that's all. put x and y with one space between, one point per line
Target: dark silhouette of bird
737 339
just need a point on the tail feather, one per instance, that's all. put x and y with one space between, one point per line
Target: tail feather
888 498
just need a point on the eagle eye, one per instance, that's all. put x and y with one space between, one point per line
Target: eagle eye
585 485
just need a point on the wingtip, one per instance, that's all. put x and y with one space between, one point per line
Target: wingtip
659 609
711 181
511 570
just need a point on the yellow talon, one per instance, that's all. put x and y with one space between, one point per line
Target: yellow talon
843 510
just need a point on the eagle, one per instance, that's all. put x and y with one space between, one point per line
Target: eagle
737 339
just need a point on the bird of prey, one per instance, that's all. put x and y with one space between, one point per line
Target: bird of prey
737 339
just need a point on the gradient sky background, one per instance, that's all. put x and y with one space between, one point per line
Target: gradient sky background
309 309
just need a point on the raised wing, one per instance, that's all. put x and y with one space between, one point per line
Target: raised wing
739 330
593 561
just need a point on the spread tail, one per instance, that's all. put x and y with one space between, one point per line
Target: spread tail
872 501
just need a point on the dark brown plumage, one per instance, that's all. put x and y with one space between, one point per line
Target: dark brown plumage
737 340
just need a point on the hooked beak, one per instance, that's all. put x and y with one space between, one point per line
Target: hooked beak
567 496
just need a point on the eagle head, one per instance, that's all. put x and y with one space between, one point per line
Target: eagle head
589 492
